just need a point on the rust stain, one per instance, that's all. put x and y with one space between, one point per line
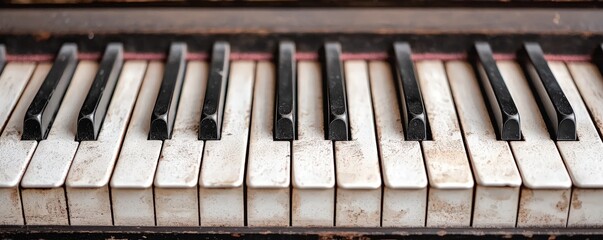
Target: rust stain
42 36
563 204
576 203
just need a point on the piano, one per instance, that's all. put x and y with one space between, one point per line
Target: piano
300 120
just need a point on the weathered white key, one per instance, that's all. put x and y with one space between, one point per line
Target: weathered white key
582 158
357 160
13 80
43 194
176 202
16 153
451 183
497 176
221 199
88 178
404 176
544 199
589 81
313 166
268 169
131 191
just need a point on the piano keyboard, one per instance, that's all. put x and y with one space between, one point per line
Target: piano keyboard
327 141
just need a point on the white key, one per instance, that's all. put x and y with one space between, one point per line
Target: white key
13 80
405 193
313 166
176 202
357 160
87 180
221 181
268 169
589 81
16 153
131 191
497 176
43 194
451 183
583 158
544 199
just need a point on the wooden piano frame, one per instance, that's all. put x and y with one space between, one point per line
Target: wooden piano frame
569 33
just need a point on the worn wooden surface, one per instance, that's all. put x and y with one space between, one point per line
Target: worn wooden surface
300 20
573 31
299 3
38 232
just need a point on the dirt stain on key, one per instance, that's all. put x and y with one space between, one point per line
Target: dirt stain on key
576 202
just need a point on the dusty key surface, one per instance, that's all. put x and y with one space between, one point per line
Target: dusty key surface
494 168
13 81
357 160
404 176
285 110
176 198
88 178
582 158
544 199
269 161
221 199
412 108
133 174
450 179
94 108
43 194
313 166
16 153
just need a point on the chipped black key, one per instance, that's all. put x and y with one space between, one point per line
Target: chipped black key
336 110
560 114
598 57
284 117
211 115
45 105
2 57
500 101
97 101
164 112
411 101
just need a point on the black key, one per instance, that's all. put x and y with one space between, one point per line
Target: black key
45 105
97 101
2 57
411 100
164 112
211 115
284 117
558 109
598 57
336 109
501 103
